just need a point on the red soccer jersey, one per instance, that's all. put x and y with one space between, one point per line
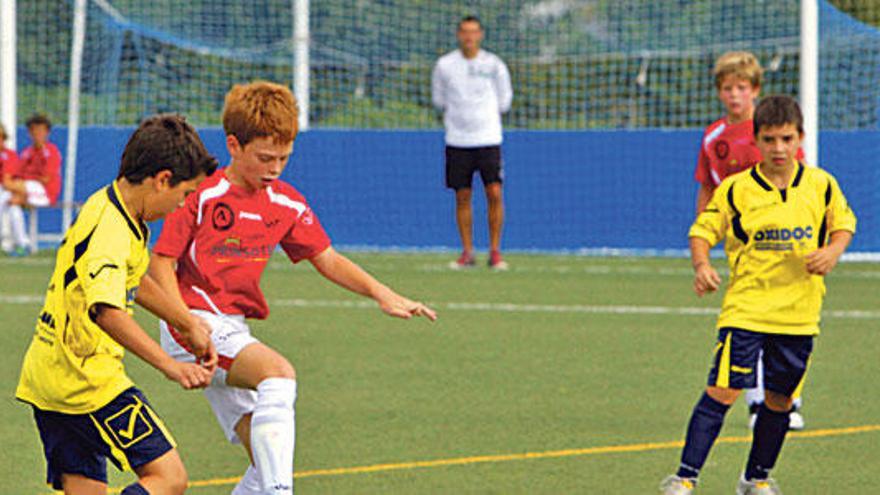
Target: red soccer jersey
34 164
727 149
224 235
8 161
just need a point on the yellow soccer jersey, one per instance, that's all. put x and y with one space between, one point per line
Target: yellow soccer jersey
72 366
767 233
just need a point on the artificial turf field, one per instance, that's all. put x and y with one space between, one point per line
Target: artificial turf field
563 375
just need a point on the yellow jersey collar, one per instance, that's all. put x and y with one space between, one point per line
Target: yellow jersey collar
768 186
115 198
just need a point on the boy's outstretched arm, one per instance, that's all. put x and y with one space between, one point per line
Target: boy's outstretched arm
164 301
119 325
344 272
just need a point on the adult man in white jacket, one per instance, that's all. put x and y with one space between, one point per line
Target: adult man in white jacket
472 88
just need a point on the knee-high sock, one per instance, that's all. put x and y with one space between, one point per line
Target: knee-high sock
5 226
16 219
135 489
273 434
249 484
706 421
770 430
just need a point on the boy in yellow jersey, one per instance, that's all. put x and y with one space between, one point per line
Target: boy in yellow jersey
85 407
784 226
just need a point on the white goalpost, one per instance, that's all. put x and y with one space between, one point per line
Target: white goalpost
76 56
7 69
809 78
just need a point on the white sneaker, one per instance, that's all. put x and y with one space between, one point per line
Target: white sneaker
796 421
757 487
676 485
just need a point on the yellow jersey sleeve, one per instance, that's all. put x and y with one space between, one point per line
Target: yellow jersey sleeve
102 269
840 216
713 222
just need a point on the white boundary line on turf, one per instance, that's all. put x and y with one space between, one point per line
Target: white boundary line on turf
560 268
504 307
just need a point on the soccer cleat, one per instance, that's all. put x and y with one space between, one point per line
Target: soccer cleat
466 260
496 262
796 421
757 487
676 485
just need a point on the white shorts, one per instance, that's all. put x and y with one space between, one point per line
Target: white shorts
230 334
36 193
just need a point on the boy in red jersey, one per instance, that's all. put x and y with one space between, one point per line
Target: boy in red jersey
8 161
34 181
8 157
215 249
728 147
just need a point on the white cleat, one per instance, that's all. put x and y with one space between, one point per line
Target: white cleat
757 487
676 485
796 421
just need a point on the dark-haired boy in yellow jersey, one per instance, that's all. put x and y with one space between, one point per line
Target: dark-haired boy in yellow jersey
85 407
784 226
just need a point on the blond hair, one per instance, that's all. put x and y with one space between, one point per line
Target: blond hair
742 65
260 109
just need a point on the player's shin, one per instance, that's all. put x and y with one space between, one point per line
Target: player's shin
16 220
770 429
249 484
273 434
705 423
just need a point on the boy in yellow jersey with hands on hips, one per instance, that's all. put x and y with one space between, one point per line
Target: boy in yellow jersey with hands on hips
784 226
86 408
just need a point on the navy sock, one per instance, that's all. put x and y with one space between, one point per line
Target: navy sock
706 421
770 430
135 489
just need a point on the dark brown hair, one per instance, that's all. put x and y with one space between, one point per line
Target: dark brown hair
165 142
776 111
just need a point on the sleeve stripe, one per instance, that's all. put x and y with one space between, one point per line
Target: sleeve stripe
78 250
735 221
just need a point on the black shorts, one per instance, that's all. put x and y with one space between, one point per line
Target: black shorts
785 359
461 163
127 431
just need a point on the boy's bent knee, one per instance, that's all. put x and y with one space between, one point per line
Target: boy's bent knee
726 396
777 402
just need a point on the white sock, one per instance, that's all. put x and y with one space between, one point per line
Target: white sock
273 434
5 226
756 395
16 218
249 484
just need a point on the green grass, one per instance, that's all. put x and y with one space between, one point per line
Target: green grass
495 380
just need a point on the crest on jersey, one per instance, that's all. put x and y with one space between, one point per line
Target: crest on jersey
222 218
722 149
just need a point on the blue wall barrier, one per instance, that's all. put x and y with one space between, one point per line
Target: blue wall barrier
563 190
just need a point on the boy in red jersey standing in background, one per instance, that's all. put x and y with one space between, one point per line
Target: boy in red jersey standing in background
728 147
214 250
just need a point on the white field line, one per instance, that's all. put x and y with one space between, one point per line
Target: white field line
562 268
502 307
